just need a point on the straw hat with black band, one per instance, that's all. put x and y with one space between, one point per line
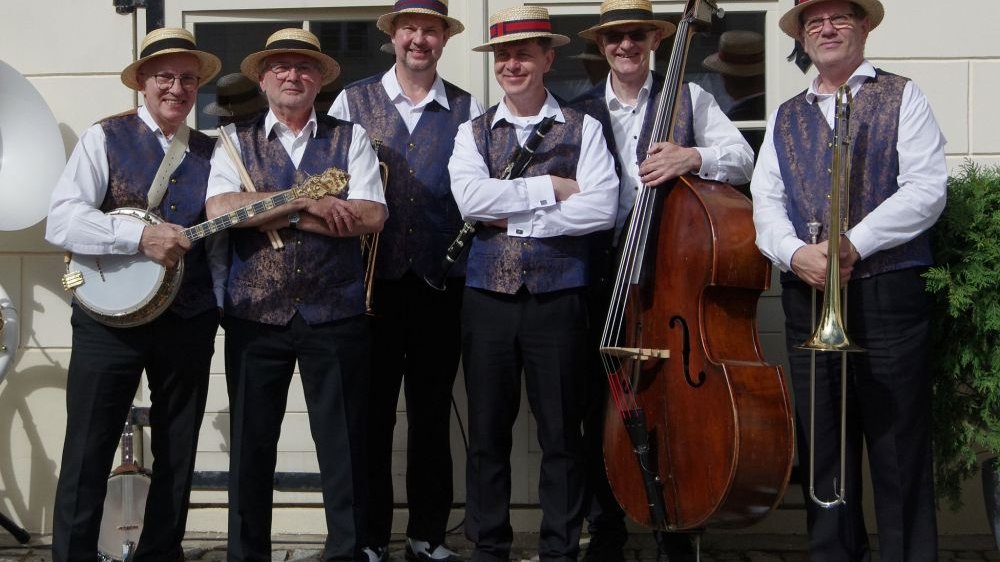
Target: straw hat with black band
165 41
437 8
741 53
790 24
292 40
627 12
520 23
235 96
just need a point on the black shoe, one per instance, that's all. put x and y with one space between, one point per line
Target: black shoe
423 551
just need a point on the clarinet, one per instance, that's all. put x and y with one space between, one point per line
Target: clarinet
519 163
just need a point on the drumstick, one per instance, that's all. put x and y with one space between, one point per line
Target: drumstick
234 156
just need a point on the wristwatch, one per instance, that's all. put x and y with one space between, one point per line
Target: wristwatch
293 219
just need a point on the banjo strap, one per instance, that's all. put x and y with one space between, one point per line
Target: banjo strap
172 159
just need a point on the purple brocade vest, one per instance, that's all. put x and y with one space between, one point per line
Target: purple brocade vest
320 277
134 155
502 263
423 217
802 140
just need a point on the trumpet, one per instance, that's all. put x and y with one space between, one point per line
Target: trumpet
830 332
369 242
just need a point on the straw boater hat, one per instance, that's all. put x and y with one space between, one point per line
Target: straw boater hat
621 12
235 96
741 53
164 41
519 23
437 8
789 23
292 40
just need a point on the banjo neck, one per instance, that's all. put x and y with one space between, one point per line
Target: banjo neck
243 214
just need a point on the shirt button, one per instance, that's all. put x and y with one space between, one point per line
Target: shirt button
519 231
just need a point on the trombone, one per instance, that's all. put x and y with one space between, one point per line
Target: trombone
830 332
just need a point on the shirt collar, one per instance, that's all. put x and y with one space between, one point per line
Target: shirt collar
147 118
862 73
549 108
271 121
395 92
612 100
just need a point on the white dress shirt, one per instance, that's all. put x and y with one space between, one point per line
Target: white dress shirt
76 222
529 204
923 176
408 110
725 154
362 164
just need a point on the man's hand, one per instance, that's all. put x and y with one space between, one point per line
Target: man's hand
564 188
164 244
666 161
810 262
338 215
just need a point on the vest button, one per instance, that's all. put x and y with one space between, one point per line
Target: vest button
173 207
173 180
411 172
298 300
411 146
298 270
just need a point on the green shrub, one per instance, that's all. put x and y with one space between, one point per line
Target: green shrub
965 285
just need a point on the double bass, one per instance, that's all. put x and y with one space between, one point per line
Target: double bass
698 428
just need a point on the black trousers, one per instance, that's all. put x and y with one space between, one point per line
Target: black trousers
889 413
333 364
546 335
104 374
416 345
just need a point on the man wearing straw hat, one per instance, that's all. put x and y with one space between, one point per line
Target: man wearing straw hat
114 165
706 143
303 304
412 116
740 63
897 189
525 302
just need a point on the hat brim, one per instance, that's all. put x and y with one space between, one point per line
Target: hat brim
713 62
385 21
209 66
789 23
233 109
557 40
250 67
590 34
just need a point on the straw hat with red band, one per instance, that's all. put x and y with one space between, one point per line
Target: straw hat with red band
437 8
292 40
790 24
627 12
741 53
520 23
165 41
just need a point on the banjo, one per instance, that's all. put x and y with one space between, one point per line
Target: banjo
124 504
126 290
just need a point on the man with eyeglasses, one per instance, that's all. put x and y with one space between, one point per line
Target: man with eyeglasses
706 143
412 116
302 304
897 189
113 166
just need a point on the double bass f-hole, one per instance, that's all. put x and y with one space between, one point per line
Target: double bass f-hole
686 352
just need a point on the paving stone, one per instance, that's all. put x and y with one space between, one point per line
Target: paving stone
303 554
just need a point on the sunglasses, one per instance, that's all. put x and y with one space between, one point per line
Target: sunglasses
636 35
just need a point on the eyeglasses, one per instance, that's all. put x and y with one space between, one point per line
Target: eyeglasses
838 21
636 35
281 70
165 81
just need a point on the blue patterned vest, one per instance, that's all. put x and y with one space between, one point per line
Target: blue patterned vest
802 140
320 277
134 155
423 217
503 264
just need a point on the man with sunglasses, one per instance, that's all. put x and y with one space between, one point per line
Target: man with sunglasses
897 189
706 144
303 304
115 165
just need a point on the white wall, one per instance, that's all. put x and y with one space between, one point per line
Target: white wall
73 51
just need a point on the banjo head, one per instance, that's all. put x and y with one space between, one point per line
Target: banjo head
124 508
124 290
